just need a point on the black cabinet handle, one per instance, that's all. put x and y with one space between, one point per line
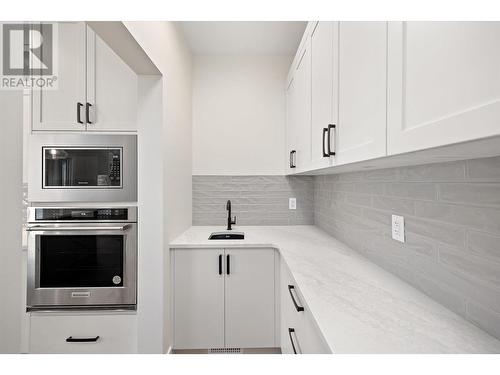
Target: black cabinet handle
330 127
290 331
78 111
297 307
220 264
325 131
228 271
87 112
292 158
82 339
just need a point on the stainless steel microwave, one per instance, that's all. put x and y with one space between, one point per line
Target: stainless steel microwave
82 168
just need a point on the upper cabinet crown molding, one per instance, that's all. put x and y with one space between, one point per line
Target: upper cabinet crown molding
96 90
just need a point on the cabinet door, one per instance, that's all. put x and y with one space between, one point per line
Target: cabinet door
443 83
250 298
56 109
291 126
324 85
111 88
361 128
198 299
302 111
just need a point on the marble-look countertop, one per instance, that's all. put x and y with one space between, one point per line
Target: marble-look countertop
358 306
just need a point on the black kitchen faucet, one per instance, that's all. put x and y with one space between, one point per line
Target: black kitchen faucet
229 220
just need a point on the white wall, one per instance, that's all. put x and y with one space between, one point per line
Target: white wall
239 114
164 44
11 155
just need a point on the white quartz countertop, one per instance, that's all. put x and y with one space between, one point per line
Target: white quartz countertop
358 306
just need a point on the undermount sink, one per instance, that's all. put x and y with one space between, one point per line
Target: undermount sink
227 235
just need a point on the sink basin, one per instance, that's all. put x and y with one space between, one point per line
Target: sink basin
227 235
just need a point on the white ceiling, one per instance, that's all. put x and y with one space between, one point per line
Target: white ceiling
243 38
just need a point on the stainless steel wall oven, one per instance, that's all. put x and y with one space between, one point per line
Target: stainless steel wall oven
82 258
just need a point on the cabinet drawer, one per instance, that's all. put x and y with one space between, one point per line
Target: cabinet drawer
295 315
116 333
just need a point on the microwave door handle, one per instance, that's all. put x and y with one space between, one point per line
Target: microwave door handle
55 228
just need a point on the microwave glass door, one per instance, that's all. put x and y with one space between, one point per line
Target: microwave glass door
82 167
73 261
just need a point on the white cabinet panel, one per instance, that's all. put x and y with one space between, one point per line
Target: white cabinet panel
303 108
116 333
361 128
56 109
111 88
250 299
291 126
198 299
443 83
324 90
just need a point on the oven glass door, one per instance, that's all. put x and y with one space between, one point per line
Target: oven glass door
81 261
75 167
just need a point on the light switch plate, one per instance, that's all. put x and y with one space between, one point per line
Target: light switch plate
398 228
292 203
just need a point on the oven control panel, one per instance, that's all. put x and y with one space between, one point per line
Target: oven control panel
75 214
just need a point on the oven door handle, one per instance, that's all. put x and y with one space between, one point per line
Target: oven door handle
39 228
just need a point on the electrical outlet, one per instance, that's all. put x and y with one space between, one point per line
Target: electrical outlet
398 228
292 203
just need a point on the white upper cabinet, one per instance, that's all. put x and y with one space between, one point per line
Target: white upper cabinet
324 92
111 88
443 84
60 109
96 89
302 78
361 128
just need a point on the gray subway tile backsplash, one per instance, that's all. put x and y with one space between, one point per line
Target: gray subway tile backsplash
452 222
256 200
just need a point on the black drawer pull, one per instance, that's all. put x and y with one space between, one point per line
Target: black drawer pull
78 113
299 308
87 113
82 339
330 127
227 264
220 264
325 132
290 331
292 158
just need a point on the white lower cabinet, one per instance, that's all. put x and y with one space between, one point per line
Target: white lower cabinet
53 333
250 298
299 332
224 298
198 298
